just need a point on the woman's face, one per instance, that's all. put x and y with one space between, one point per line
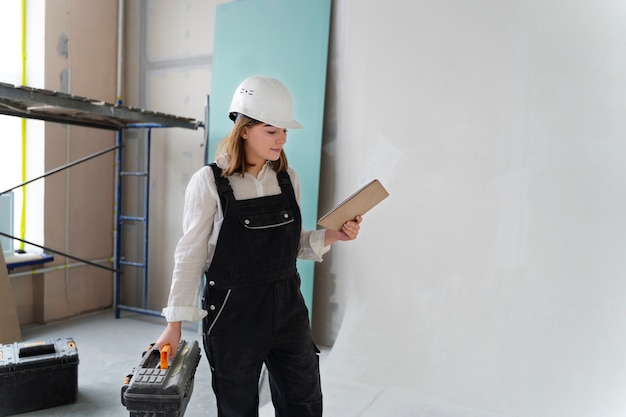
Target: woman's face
263 142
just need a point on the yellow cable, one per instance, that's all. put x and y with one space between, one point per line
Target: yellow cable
23 214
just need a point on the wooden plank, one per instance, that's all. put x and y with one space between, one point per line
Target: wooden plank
9 322
59 107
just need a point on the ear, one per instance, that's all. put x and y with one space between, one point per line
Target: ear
244 132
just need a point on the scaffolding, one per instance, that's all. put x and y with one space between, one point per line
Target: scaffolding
52 106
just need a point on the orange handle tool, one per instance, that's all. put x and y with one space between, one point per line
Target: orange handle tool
165 352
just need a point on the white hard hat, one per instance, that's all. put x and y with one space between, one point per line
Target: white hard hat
264 99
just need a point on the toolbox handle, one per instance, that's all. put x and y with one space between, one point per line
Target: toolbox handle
36 350
165 352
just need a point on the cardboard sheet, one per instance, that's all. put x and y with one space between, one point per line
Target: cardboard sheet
9 322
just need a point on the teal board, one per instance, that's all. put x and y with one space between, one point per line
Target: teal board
288 40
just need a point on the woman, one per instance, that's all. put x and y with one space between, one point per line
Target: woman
242 228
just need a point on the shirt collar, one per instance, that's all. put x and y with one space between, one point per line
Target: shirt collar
222 161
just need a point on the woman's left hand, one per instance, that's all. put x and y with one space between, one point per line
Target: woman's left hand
349 231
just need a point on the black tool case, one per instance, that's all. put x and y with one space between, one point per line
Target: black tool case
151 391
37 375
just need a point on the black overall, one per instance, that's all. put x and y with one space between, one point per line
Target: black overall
256 312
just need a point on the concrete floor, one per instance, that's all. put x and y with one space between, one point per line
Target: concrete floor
109 349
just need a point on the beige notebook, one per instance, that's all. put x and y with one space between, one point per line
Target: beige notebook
357 204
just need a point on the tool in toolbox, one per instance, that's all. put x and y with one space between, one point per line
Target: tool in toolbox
37 375
158 388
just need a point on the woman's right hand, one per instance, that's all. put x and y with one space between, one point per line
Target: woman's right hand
170 336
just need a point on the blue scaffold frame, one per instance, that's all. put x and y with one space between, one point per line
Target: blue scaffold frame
53 106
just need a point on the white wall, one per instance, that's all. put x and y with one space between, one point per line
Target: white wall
493 276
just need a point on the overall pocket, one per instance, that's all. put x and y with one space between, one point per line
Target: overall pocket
214 301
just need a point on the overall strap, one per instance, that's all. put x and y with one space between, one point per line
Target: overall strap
223 186
285 184
224 190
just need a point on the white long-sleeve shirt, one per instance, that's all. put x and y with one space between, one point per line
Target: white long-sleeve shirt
202 220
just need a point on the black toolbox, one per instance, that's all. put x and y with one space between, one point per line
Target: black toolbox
37 375
158 389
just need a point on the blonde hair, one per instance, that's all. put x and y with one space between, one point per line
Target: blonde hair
232 145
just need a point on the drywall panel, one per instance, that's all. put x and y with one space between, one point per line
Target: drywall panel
287 40
81 41
492 277
179 29
176 155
